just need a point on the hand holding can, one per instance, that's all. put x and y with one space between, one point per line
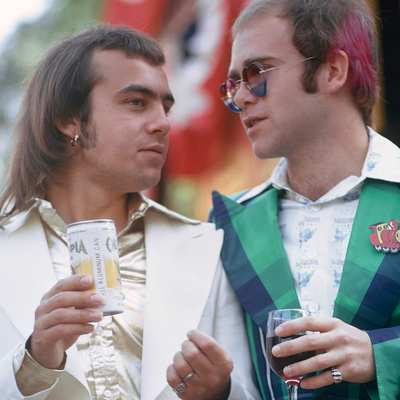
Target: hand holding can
65 312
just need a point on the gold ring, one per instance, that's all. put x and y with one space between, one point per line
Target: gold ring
188 376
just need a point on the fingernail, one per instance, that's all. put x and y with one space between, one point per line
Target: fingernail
287 372
86 279
278 331
276 350
96 315
97 298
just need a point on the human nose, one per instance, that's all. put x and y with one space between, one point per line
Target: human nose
160 123
243 97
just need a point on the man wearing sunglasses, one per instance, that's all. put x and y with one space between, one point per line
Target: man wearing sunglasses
303 78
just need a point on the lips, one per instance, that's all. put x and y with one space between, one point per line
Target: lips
249 122
156 148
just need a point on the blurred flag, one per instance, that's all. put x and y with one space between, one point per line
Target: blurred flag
202 127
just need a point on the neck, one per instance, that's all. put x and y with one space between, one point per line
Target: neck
75 202
337 153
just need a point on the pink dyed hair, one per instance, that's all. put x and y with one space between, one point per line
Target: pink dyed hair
321 27
355 40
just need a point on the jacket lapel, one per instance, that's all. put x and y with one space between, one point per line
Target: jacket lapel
181 262
29 276
368 273
28 273
253 254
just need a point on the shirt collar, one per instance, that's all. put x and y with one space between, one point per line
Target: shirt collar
51 218
382 162
17 220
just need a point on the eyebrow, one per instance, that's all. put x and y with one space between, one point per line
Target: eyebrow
234 74
134 88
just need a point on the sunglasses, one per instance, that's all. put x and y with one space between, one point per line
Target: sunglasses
254 77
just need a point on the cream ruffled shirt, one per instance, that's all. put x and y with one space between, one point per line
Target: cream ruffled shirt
111 355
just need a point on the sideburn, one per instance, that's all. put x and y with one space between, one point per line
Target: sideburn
88 136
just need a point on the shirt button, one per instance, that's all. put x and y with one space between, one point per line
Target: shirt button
315 207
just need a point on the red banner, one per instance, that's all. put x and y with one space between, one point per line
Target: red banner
144 15
203 128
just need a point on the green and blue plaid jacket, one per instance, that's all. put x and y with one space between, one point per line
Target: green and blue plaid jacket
257 266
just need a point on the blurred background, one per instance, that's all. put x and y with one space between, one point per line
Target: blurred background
208 150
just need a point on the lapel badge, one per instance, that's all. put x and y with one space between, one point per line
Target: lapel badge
386 236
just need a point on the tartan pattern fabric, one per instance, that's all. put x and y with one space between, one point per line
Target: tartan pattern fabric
369 295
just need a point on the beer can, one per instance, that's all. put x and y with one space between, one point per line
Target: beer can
93 249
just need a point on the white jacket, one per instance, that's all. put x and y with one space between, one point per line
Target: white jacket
186 288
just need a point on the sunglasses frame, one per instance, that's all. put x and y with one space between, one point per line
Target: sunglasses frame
228 98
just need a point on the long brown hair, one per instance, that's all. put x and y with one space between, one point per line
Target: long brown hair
59 91
321 27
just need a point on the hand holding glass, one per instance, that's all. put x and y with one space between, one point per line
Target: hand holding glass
277 364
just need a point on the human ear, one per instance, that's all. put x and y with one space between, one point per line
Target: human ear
335 72
69 128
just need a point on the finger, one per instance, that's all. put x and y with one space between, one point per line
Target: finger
211 349
173 377
309 342
315 324
63 331
72 283
68 316
319 362
197 361
86 299
193 386
182 367
316 382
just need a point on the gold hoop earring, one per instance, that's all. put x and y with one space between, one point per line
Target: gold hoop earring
75 140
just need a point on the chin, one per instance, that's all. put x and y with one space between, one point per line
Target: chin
150 181
265 150
139 183
262 153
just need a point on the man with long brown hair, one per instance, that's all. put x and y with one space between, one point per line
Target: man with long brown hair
93 134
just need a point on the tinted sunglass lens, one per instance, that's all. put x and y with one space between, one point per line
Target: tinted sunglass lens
252 71
232 105
259 90
255 79
228 90
223 90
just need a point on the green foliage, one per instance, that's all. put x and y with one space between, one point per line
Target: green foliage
27 45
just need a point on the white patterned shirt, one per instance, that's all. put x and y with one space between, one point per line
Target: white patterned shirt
316 233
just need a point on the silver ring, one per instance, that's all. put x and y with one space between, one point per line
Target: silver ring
336 376
187 377
180 389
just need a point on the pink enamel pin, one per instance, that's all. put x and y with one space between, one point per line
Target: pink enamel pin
386 236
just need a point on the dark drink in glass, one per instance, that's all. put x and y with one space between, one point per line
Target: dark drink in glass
277 364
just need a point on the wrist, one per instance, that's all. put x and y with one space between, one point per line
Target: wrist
28 347
226 392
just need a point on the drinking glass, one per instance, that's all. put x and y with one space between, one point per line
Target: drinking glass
277 364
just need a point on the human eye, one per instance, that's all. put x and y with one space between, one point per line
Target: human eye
136 102
265 68
267 65
168 108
